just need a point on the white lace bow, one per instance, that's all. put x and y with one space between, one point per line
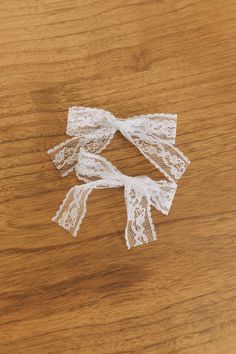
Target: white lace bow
141 193
93 129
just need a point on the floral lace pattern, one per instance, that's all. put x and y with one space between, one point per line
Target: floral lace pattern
141 193
93 129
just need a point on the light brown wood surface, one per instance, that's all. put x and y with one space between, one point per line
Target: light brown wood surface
91 295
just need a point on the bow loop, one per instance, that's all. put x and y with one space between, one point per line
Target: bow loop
153 127
85 121
162 195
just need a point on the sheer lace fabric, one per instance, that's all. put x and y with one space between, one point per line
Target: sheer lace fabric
141 193
93 129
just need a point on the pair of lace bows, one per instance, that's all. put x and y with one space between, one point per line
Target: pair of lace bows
92 130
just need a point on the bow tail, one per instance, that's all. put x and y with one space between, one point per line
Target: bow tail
65 155
164 156
72 210
139 228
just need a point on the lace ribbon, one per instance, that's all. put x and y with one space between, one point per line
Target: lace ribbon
93 129
141 193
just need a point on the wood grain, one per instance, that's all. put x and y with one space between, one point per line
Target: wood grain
91 295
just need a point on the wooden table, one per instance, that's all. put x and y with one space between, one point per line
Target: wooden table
91 295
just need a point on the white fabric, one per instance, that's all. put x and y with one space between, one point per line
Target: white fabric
93 129
140 194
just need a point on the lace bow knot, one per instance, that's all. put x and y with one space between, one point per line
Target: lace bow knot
93 129
141 193
119 124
